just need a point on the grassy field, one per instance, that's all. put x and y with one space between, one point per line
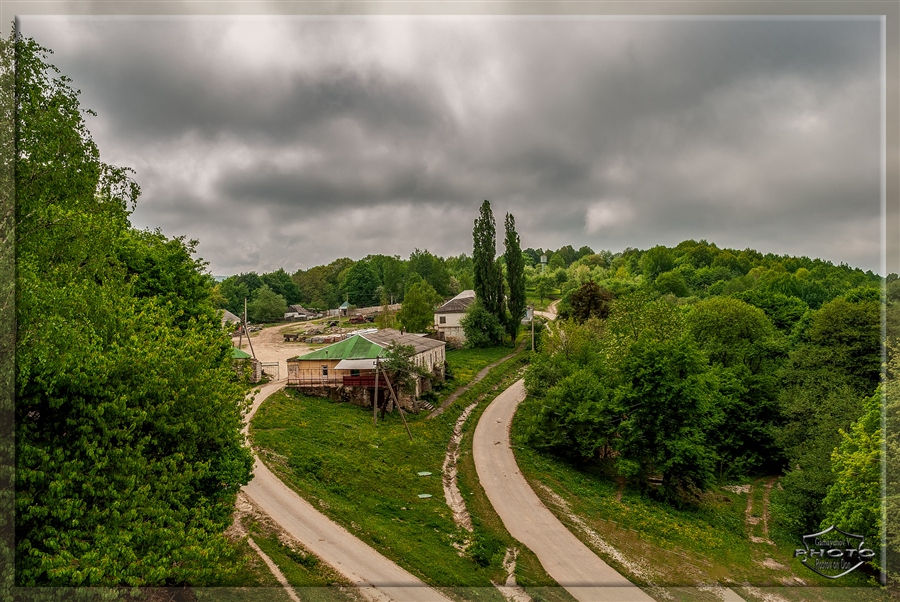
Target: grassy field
531 298
366 477
661 546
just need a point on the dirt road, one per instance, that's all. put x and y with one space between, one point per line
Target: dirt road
377 577
571 563
550 314
269 346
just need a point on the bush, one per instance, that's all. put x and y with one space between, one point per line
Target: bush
482 328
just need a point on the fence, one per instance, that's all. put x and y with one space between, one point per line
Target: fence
271 369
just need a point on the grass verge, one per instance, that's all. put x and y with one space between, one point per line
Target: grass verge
682 550
366 477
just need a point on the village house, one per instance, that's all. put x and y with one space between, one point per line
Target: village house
448 316
298 312
229 320
346 370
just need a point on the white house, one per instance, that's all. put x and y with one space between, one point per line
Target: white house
448 316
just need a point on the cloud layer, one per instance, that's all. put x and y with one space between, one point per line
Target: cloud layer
288 142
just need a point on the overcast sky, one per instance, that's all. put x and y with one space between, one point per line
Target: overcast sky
292 141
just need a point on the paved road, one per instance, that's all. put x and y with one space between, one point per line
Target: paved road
377 577
571 563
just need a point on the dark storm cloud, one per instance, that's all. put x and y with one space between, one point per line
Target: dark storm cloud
264 138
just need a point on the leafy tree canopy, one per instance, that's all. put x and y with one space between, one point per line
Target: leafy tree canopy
417 312
128 447
482 328
267 305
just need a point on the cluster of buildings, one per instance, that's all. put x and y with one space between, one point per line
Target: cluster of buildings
351 370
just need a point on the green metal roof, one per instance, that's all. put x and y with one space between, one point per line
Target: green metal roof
238 354
345 305
351 348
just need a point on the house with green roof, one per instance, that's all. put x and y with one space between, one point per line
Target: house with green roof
349 365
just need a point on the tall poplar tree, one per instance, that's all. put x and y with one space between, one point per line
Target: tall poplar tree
484 252
515 276
487 271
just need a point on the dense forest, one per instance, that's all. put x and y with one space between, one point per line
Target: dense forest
675 369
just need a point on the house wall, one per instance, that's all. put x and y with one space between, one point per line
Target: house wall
451 329
308 373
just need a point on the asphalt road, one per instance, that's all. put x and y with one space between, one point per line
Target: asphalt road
571 563
377 577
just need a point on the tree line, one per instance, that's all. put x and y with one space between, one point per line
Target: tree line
372 280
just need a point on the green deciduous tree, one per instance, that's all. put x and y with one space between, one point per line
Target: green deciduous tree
432 270
282 284
417 312
266 306
655 261
668 403
826 379
854 501
482 328
747 352
128 447
361 285
515 276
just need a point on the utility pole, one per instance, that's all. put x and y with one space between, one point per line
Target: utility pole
375 402
532 329
397 399
248 330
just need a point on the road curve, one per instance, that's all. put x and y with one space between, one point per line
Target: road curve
377 577
571 563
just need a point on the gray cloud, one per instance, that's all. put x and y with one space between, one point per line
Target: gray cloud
288 142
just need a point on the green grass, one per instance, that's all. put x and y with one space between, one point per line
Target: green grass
707 544
466 363
365 476
314 581
253 582
531 298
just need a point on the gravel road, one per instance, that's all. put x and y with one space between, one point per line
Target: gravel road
377 577
571 563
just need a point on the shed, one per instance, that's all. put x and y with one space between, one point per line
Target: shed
245 364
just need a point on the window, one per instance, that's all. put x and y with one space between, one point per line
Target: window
354 373
443 319
324 370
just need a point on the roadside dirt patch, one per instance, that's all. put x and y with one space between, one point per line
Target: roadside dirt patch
510 590
637 569
770 563
451 490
